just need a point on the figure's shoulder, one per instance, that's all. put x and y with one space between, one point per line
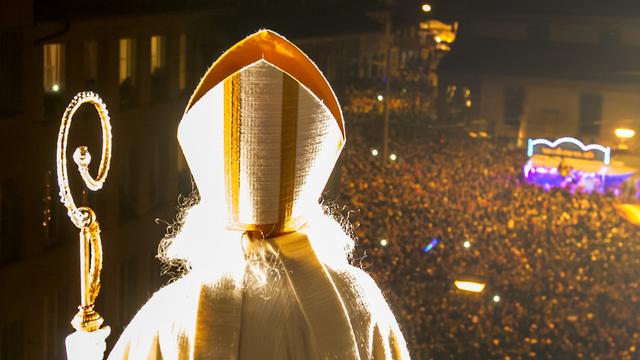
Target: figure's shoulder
354 280
182 290
172 305
164 319
361 295
371 318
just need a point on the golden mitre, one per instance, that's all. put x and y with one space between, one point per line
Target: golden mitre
261 134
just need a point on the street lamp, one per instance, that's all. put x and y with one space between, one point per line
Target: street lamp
624 133
470 286
426 8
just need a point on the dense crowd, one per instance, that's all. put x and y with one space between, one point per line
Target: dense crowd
562 270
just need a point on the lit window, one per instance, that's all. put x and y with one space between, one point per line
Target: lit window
126 60
158 53
91 60
182 62
53 67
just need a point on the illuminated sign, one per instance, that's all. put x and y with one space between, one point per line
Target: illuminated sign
569 147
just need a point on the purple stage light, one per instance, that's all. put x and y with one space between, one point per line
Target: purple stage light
550 177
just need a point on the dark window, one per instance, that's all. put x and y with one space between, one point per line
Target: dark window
58 311
590 113
513 105
91 64
182 62
10 72
12 341
128 289
8 222
129 190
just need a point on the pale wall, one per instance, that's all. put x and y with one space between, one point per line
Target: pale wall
552 110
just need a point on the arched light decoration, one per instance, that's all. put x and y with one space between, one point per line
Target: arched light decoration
606 151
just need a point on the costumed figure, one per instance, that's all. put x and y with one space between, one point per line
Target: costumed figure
268 272
563 168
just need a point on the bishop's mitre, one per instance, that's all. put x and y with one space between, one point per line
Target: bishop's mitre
261 134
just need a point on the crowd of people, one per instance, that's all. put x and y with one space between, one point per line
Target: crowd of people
562 271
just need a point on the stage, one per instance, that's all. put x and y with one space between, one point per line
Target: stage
568 163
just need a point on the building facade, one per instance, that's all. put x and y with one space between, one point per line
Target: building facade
546 75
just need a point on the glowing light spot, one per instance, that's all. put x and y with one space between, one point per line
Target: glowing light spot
380 97
471 286
496 298
624 133
468 103
55 88
430 245
384 242
426 8
438 39
466 244
374 152
393 157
